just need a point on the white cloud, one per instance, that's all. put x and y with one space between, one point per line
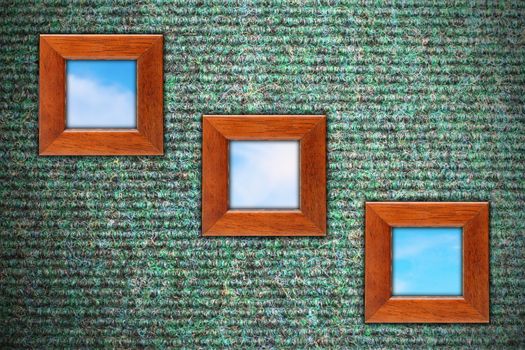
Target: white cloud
91 104
426 261
400 286
448 243
264 174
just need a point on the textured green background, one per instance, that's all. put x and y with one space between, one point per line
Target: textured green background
424 102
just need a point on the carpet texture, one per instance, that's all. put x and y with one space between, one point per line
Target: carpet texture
425 101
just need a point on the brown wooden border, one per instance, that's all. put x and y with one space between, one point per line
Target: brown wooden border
219 220
382 307
55 139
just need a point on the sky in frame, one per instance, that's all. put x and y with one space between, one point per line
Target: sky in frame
264 174
427 261
101 94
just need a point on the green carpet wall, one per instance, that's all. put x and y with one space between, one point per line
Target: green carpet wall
424 100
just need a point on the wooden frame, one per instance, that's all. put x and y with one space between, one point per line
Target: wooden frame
308 220
382 307
146 139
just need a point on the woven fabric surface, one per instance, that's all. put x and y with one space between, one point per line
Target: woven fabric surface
424 100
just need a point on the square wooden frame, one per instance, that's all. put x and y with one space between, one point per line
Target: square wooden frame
219 220
146 139
382 307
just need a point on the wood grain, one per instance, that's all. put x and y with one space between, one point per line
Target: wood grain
100 46
270 127
55 139
427 310
436 214
476 261
313 175
52 95
214 175
378 258
309 220
150 94
382 307
102 142
264 223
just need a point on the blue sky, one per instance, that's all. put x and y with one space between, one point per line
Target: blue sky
427 261
264 174
101 94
